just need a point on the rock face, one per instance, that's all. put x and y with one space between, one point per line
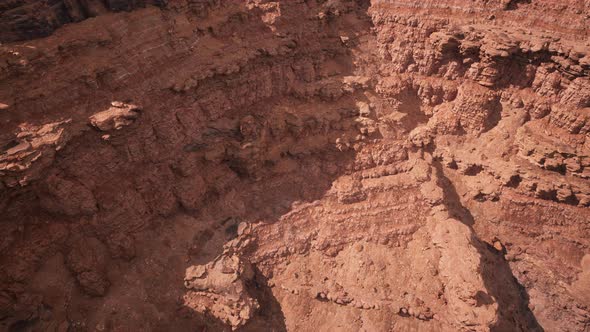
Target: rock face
343 165
219 288
26 19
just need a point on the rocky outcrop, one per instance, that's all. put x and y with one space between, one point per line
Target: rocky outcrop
464 287
32 148
116 117
219 288
310 162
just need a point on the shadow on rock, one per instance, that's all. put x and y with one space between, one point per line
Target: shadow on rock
513 301
270 316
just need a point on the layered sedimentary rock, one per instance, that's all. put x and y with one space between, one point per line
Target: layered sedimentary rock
295 165
26 19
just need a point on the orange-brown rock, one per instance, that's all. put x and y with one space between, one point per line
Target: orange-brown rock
342 165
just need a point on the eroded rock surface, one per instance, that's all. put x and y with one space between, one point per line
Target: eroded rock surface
115 117
31 146
219 288
347 165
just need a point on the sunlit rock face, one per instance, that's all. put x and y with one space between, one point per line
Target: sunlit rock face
294 165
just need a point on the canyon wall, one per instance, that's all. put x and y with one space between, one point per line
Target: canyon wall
295 165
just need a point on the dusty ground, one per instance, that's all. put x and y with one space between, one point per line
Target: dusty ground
303 165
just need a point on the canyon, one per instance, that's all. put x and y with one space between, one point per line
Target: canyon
295 165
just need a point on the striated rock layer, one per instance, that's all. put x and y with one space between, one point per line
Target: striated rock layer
342 165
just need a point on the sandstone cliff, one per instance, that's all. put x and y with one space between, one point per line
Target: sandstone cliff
340 165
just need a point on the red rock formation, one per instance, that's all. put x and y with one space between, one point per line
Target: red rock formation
302 165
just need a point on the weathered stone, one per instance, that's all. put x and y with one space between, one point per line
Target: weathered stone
119 115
